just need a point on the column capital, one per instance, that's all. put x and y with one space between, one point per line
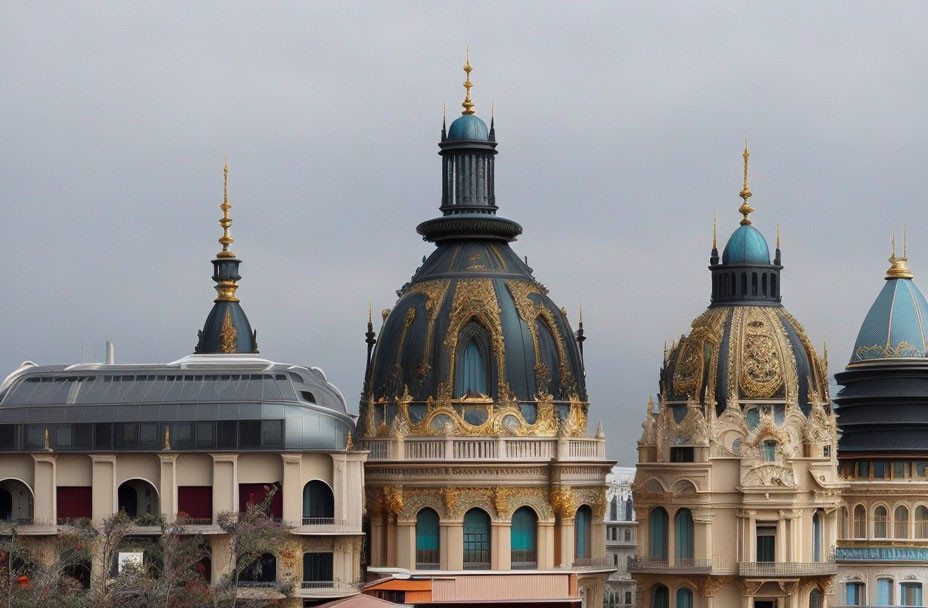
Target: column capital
170 458
233 458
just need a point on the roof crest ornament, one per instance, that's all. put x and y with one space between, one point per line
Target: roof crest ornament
468 105
745 209
226 221
899 267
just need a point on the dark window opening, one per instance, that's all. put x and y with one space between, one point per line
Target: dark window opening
681 454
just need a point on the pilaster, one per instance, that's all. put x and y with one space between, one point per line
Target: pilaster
501 551
292 489
44 504
104 486
225 483
168 486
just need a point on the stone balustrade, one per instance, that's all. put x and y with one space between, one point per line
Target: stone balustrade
525 449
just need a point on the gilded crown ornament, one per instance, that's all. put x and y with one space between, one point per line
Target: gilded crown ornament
225 221
899 267
745 209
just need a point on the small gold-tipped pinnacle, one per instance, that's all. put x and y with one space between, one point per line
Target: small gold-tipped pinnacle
225 221
468 105
745 209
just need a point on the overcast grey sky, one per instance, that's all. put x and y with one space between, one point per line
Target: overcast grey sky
621 127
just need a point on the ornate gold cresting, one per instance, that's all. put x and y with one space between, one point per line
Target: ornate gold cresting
899 267
468 105
228 335
225 221
745 209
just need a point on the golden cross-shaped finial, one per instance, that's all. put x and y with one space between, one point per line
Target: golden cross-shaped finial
225 221
899 267
745 209
892 240
468 105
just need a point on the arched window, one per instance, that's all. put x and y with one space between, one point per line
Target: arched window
816 598
137 498
817 536
657 531
318 504
260 573
472 373
523 541
884 591
684 598
880 521
614 508
744 283
753 283
582 523
683 539
476 540
427 554
921 522
855 594
860 522
764 283
660 597
901 522
773 286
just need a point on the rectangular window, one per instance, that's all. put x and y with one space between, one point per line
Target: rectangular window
127 435
83 436
317 567
855 594
63 436
911 594
766 543
884 592
181 435
271 433
206 435
899 469
769 450
681 454
34 437
879 470
863 469
7 437
74 503
148 435
826 451
225 434
195 504
920 467
103 436
249 434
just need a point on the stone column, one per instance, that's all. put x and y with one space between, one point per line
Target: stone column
567 541
443 528
455 545
501 545
376 540
292 489
671 532
545 545
220 556
104 486
406 545
598 539
781 541
45 493
750 537
390 539
225 483
168 486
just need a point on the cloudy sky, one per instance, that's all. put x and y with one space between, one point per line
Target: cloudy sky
621 127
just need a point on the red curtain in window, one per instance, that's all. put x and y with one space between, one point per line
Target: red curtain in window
195 501
253 493
75 502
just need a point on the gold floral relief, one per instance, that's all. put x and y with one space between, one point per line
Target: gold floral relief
529 311
563 501
476 299
761 359
434 292
228 335
819 369
688 370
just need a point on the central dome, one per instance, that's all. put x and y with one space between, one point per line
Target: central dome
469 127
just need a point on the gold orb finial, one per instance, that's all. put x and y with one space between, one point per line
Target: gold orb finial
225 221
468 105
745 209
899 267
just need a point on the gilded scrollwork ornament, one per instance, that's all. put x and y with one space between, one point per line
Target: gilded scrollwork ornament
393 499
563 501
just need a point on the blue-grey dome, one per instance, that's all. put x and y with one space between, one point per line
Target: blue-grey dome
468 127
746 246
895 326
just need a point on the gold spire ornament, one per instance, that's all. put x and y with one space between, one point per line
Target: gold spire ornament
714 231
228 335
778 236
468 105
225 221
899 267
745 209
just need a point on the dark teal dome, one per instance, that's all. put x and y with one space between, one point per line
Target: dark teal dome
468 127
746 246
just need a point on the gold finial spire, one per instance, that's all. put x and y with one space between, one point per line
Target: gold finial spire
745 209
370 311
778 236
714 231
468 105
899 267
905 244
581 311
226 238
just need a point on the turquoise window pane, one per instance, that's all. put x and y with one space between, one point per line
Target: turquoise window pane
661 597
582 524
684 534
884 592
684 598
427 556
523 538
476 539
657 525
473 371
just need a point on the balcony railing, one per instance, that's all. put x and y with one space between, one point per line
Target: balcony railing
330 585
642 563
493 448
257 584
593 562
787 568
186 520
